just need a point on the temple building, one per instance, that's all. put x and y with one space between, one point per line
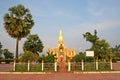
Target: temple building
62 53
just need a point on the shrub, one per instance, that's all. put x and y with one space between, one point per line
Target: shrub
29 56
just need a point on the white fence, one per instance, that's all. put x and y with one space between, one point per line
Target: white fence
71 66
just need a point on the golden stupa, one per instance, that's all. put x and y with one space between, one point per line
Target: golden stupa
62 53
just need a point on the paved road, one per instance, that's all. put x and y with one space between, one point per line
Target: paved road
116 66
62 76
6 67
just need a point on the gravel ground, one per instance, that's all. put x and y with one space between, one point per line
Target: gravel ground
6 67
62 76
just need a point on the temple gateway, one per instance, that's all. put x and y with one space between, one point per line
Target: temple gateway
62 53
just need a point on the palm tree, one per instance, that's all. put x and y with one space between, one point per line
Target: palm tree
18 23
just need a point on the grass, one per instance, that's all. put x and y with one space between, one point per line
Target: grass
49 67
104 66
91 67
34 68
21 68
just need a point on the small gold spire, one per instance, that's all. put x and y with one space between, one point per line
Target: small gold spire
60 37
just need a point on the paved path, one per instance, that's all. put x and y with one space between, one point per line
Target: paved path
6 67
62 76
116 66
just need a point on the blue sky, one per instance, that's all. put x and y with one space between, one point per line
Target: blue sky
74 17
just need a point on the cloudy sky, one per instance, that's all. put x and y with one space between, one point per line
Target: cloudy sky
74 17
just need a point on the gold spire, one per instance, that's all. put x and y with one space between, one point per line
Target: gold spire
60 37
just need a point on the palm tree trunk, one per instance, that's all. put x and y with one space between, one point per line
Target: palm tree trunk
17 43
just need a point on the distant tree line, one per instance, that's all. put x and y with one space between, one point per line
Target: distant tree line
116 52
5 55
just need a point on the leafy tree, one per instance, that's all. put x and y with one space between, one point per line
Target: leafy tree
18 22
7 54
91 38
29 56
49 57
33 44
0 50
0 45
100 47
116 51
1 54
103 50
78 57
40 59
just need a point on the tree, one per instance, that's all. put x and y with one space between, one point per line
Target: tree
100 47
18 22
116 51
78 57
7 54
0 50
103 50
40 59
29 56
49 57
91 38
0 45
33 44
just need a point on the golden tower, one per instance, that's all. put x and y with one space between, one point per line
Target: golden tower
60 37
62 53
